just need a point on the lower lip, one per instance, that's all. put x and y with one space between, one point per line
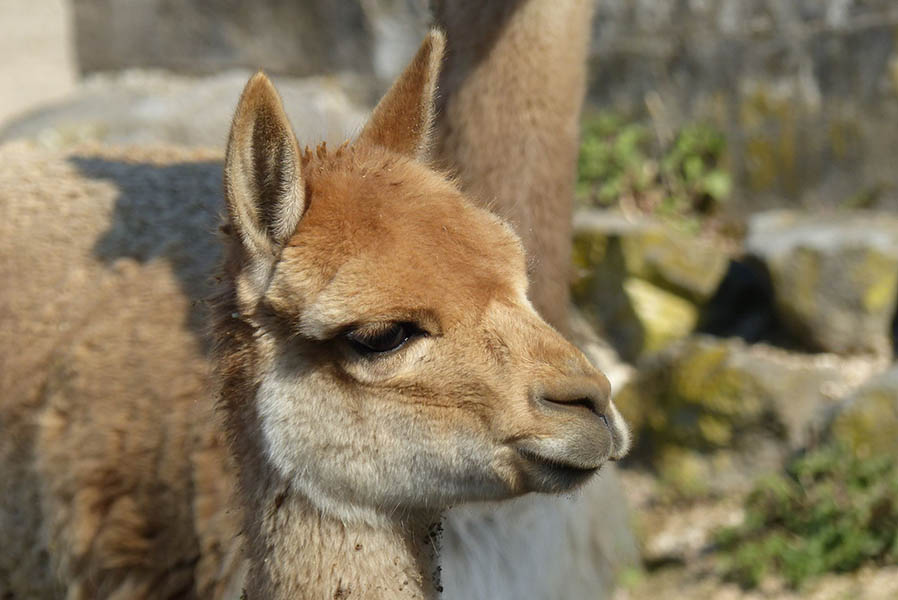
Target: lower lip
566 470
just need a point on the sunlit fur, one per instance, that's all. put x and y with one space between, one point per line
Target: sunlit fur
507 127
509 119
121 479
488 402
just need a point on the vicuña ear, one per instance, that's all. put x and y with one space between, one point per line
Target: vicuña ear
262 178
401 122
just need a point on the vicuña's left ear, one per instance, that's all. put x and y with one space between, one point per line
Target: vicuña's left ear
402 120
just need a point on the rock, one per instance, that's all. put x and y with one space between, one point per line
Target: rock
867 423
598 290
684 265
666 316
743 305
708 413
640 283
835 277
684 470
145 107
598 351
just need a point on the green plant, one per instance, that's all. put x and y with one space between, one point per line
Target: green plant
830 511
621 159
693 169
614 159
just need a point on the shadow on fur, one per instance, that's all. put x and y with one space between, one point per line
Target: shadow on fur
164 212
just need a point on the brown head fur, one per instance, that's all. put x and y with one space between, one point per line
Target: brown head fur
378 353
508 123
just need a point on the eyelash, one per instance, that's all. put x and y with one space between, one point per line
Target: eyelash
382 339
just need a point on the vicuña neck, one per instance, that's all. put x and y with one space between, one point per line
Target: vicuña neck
297 552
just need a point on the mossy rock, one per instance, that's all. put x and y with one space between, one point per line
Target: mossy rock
641 284
705 396
690 397
599 293
684 265
867 423
686 471
665 317
835 277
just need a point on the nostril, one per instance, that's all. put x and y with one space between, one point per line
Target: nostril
573 394
585 403
605 421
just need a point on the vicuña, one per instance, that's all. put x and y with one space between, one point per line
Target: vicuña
376 361
378 357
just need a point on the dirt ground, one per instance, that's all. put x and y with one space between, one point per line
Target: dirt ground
36 45
676 539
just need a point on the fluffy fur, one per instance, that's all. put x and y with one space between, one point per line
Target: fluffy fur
510 96
123 483
117 481
508 122
480 399
115 356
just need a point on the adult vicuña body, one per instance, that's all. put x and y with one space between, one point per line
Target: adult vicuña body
378 355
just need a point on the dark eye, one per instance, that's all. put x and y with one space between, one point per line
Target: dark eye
381 338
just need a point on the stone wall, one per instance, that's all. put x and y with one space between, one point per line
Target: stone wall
288 37
806 90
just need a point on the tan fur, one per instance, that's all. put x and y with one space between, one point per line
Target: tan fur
116 481
488 402
122 482
508 122
510 97
404 104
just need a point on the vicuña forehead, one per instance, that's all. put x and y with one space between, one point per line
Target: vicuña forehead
385 235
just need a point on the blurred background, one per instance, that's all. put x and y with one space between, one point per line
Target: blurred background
735 239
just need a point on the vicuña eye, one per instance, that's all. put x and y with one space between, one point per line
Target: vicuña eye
381 339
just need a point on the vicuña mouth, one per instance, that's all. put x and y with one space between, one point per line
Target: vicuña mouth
553 475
